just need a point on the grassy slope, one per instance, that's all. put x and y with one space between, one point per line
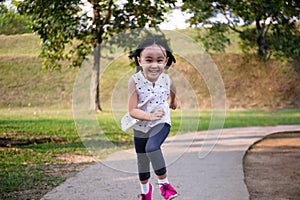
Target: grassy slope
249 84
24 83
26 44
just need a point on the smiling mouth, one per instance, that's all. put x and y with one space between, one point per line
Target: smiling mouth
154 71
154 74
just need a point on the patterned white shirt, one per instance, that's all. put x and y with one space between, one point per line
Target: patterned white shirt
150 98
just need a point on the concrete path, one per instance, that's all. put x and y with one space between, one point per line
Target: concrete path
206 165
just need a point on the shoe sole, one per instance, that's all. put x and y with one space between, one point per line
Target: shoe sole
173 197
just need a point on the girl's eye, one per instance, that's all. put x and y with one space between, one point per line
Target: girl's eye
148 60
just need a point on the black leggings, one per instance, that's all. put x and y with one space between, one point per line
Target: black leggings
147 146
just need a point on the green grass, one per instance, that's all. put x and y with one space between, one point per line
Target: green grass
36 168
30 167
39 161
26 44
238 118
261 118
233 37
23 83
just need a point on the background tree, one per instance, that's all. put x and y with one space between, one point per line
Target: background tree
2 5
11 22
271 26
61 24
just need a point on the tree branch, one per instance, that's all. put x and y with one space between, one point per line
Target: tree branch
231 24
109 12
234 28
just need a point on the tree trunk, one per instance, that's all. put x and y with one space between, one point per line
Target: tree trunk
95 85
261 46
99 30
261 39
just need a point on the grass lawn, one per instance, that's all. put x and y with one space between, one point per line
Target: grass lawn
43 162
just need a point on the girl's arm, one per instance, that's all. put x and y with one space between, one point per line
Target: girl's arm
134 111
173 102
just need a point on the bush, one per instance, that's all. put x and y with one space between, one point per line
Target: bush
12 23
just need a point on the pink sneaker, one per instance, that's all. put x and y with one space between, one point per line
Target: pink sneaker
147 196
168 192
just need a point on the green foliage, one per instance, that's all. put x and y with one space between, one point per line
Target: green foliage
215 38
12 23
248 39
275 31
58 24
68 32
286 41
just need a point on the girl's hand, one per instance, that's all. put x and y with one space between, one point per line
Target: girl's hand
156 115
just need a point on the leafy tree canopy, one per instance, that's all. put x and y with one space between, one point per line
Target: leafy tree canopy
63 23
272 26
11 22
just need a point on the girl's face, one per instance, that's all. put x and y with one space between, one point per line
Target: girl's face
153 61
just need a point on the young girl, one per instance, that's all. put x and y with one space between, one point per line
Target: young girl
149 113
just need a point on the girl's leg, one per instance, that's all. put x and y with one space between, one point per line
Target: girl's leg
142 158
158 134
143 163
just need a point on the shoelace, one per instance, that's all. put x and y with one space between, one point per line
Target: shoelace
165 188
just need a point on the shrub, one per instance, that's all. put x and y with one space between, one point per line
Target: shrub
12 23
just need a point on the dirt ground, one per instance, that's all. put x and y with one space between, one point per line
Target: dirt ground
272 168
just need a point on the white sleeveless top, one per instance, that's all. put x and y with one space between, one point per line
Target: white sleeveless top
150 98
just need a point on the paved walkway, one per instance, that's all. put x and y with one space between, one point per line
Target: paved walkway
206 165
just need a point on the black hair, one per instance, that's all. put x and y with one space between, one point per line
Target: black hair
148 42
